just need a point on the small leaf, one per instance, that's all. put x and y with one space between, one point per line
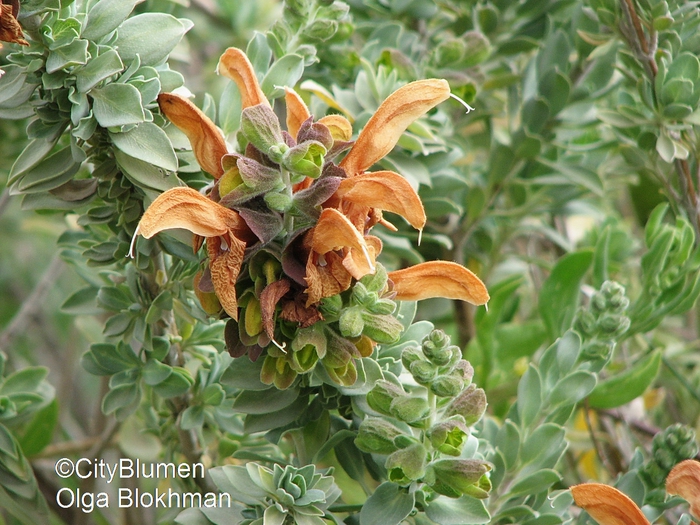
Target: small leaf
463 511
628 385
284 72
389 504
117 105
151 36
534 483
149 143
105 16
529 396
98 69
272 400
559 296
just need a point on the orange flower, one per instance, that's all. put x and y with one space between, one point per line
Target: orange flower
345 205
226 234
362 197
607 505
10 30
684 481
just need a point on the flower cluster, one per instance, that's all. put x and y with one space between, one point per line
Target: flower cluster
604 321
452 406
291 258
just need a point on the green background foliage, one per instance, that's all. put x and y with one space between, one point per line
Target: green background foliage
571 190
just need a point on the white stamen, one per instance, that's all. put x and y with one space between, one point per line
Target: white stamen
369 260
469 108
133 244
486 305
420 236
282 347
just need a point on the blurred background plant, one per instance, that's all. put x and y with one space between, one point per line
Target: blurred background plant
571 190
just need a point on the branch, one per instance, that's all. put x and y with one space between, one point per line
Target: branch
33 304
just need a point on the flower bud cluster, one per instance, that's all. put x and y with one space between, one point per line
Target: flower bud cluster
424 437
438 365
604 321
345 327
673 445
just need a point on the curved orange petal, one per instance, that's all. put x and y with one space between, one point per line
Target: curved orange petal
394 115
438 279
235 65
207 142
225 260
334 231
10 30
327 280
339 126
384 190
684 481
187 208
357 263
607 505
297 112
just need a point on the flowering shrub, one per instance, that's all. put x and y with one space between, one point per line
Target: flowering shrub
278 220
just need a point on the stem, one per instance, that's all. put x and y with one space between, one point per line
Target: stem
32 305
596 443
683 381
641 39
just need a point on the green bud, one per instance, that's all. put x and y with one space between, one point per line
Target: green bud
343 375
305 159
375 282
411 354
481 489
331 306
437 348
470 404
253 317
382 395
613 324
448 385
321 29
277 370
230 180
360 294
478 48
261 127
334 11
382 328
376 436
409 409
585 323
339 351
305 359
352 322
423 371
279 202
599 303
464 370
382 307
450 436
665 459
403 441
449 52
453 477
406 464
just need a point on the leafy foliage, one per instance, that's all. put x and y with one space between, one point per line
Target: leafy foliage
571 190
